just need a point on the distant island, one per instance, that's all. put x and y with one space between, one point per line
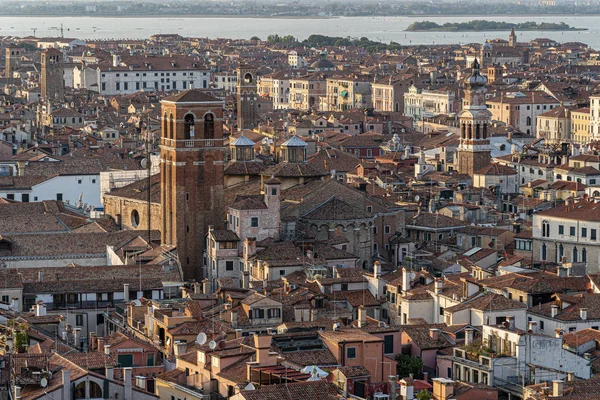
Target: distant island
481 25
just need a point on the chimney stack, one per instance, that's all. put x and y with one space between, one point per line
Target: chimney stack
234 319
180 348
439 285
66 377
558 388
511 322
583 313
107 349
405 281
533 326
100 343
126 292
109 372
127 372
469 332
392 379
434 333
554 311
377 269
362 317
77 338
206 286
40 309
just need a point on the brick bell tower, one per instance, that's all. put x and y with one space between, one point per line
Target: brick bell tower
191 170
474 151
247 107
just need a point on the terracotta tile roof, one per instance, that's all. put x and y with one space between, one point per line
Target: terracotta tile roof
249 202
291 391
334 159
195 327
349 335
437 221
294 170
354 371
189 96
488 302
236 372
91 360
496 170
224 235
91 279
175 375
420 336
336 209
569 307
310 357
28 245
580 338
244 168
357 298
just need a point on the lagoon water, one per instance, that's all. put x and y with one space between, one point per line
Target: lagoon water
383 29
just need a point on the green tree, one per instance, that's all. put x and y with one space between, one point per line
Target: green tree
254 38
21 342
409 365
423 395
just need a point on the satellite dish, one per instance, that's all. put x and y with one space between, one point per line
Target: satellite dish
417 198
44 382
212 344
201 338
222 344
145 163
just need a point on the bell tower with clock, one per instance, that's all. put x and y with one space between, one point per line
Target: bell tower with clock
191 153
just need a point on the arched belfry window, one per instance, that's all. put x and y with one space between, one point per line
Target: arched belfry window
248 78
209 126
188 127
164 125
171 127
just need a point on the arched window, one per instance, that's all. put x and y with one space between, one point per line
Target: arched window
164 125
575 254
544 252
171 127
209 126
462 131
477 131
528 121
188 127
248 78
545 229
561 252
584 255
485 131
95 390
